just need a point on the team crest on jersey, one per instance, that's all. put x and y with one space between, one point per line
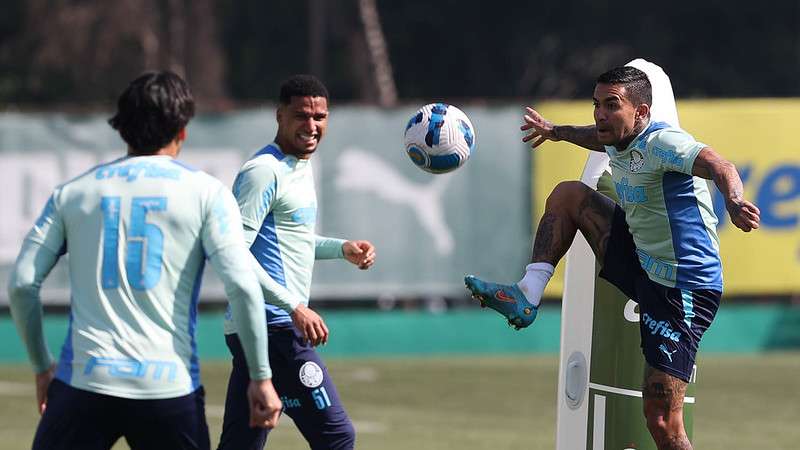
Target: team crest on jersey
311 374
637 161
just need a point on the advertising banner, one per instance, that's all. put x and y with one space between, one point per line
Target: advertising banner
429 230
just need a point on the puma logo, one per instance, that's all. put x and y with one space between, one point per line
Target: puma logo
362 171
666 351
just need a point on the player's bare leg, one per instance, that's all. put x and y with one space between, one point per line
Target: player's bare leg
572 206
663 409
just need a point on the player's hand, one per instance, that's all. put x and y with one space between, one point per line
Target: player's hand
540 129
265 405
42 383
360 253
745 215
310 324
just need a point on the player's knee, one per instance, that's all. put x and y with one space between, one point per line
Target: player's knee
347 437
566 194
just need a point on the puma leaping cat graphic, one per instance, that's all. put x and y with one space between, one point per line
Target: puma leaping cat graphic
363 171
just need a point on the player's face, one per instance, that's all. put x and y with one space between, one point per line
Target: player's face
614 114
301 125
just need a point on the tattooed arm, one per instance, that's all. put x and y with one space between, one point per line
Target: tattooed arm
711 166
543 130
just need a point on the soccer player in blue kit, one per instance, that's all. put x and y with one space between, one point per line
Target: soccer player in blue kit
138 231
275 191
659 245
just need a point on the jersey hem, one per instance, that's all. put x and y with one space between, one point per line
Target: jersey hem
134 396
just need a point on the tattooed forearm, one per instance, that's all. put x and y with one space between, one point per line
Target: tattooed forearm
727 180
711 166
585 136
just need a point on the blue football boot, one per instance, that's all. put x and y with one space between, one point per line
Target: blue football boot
508 300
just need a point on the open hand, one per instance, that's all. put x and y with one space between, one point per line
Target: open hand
541 129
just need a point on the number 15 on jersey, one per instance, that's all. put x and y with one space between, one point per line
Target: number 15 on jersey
144 246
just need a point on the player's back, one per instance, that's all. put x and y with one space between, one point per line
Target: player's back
133 231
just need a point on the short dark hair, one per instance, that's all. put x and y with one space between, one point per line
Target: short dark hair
637 85
302 85
152 110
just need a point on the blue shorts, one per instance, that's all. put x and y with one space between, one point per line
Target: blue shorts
304 386
671 320
78 419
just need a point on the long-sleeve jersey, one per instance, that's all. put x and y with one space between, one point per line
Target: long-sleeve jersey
276 197
137 232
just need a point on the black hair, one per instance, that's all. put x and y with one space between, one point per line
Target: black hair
152 110
637 85
302 85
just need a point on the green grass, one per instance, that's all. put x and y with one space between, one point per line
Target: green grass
744 402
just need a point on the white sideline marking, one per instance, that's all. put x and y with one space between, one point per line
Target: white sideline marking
628 392
361 426
364 374
599 427
364 426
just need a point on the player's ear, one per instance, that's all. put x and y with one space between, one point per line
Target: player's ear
181 136
643 111
279 112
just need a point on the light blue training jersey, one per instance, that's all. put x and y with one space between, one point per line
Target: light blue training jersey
276 197
668 211
137 232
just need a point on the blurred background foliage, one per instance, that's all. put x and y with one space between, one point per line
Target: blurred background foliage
68 53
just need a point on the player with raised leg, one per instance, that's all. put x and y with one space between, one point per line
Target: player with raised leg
659 245
137 231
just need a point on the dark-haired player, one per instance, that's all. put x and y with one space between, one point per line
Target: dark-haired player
659 245
138 231
275 191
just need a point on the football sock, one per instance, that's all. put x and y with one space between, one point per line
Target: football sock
536 277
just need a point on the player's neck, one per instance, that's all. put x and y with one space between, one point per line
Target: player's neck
287 149
637 130
172 149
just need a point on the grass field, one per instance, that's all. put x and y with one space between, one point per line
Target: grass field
744 403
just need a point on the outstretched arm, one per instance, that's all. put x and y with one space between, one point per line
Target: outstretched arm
360 253
711 166
544 130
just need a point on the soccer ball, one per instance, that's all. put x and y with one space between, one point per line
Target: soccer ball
439 138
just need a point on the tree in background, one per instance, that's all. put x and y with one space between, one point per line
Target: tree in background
67 51
55 52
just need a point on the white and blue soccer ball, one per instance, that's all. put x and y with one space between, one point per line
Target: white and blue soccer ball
439 138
